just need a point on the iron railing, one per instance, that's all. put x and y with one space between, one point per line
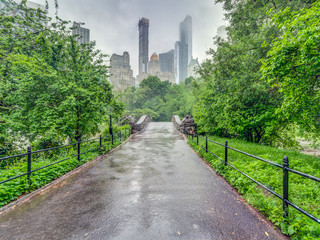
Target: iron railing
113 137
284 167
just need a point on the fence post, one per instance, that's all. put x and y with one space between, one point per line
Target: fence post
112 139
120 136
100 141
111 130
79 142
29 164
197 139
285 164
206 143
226 153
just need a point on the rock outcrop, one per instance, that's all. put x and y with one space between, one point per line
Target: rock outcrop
187 124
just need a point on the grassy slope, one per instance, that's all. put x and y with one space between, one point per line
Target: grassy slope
302 192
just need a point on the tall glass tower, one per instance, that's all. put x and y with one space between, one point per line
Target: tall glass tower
143 45
186 35
183 50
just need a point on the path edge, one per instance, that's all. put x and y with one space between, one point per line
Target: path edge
252 209
74 172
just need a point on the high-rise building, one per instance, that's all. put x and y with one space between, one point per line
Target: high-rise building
183 50
167 61
185 31
154 65
83 34
181 61
193 67
121 74
143 45
155 70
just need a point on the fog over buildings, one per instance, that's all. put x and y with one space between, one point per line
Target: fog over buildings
113 24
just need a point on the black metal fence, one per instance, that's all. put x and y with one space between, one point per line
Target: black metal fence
110 137
284 167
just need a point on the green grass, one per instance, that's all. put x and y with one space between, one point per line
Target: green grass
303 192
12 190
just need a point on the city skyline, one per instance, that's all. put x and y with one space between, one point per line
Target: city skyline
114 24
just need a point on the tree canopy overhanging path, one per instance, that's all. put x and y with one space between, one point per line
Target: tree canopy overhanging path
154 187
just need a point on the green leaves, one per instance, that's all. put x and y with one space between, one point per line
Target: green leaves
158 99
293 64
233 99
50 84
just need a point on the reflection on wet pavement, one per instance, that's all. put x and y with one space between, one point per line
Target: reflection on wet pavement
154 187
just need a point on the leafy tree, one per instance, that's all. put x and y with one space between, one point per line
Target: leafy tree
18 28
234 101
292 65
159 99
52 85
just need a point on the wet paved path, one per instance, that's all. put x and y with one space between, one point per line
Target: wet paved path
155 187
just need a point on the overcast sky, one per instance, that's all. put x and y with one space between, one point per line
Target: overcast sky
113 24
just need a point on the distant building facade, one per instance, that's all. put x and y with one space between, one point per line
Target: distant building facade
155 69
167 61
82 33
192 68
143 45
183 50
29 4
154 65
121 74
180 61
185 32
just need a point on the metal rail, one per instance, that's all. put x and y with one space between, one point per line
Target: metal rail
284 167
29 153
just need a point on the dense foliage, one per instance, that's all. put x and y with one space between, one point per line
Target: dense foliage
261 85
233 99
159 99
51 87
293 65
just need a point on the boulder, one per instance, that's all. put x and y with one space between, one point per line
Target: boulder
128 119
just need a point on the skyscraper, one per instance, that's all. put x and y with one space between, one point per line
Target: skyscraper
143 45
183 50
186 35
83 33
181 61
121 74
167 61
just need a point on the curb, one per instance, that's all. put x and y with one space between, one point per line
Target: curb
74 172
